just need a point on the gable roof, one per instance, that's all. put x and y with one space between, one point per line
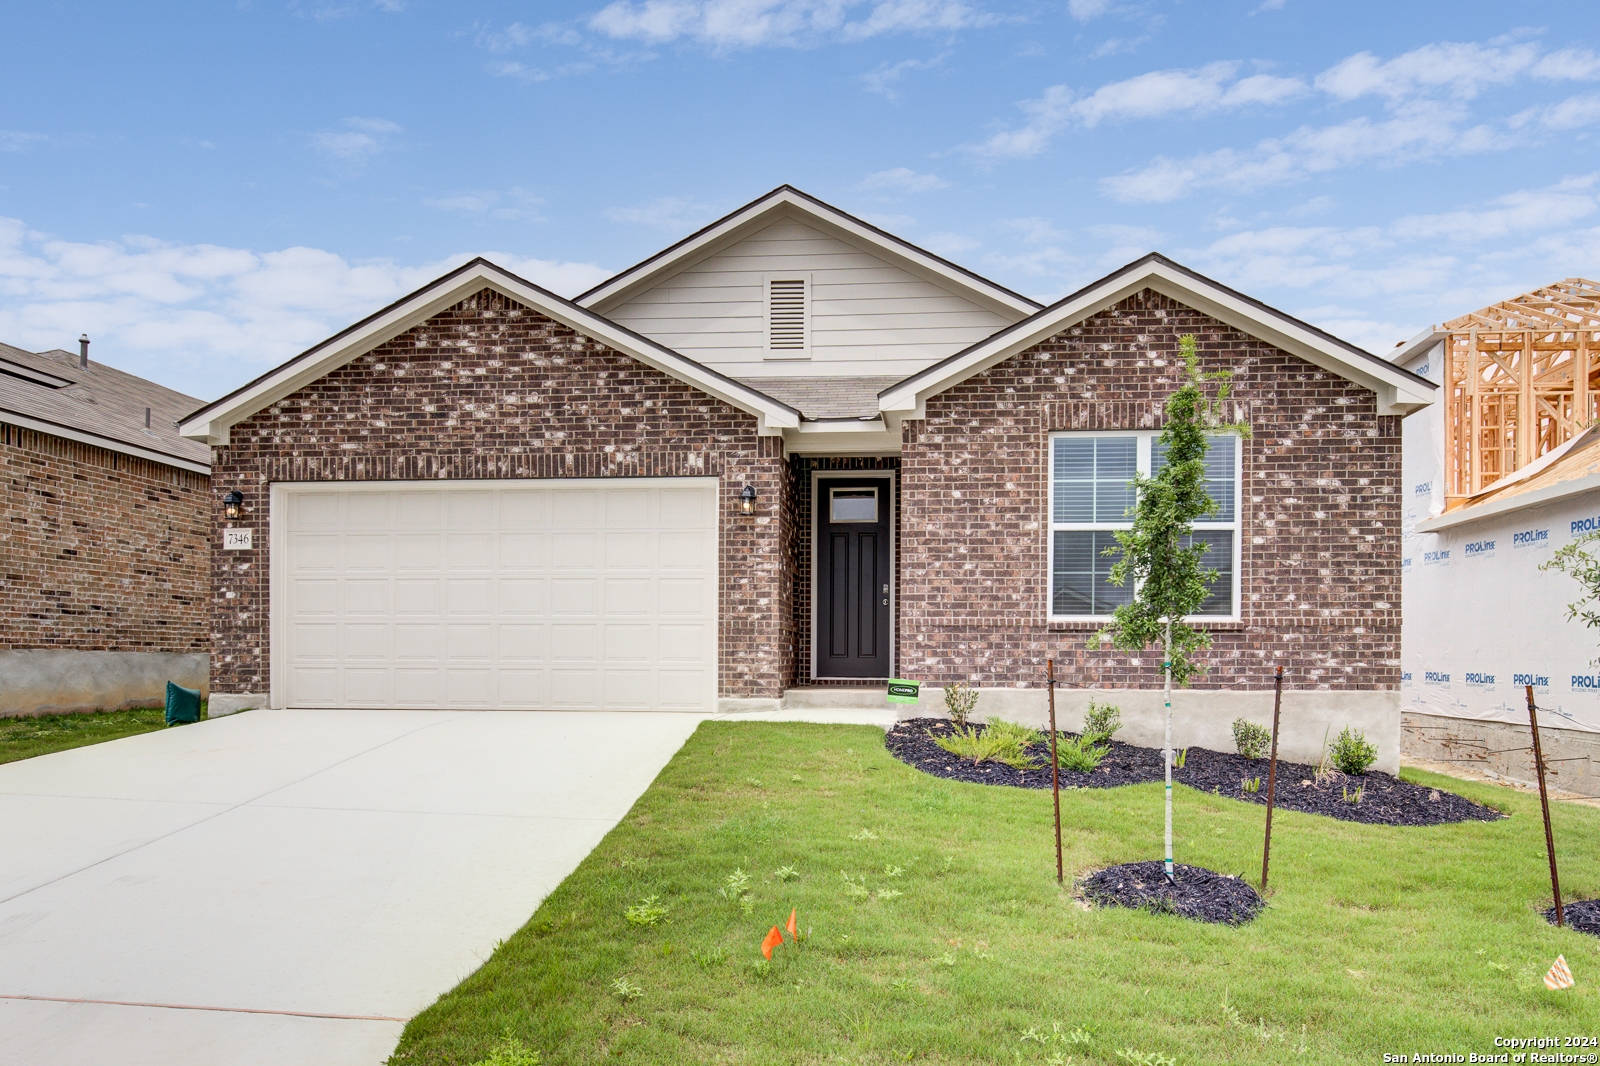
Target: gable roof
787 201
1399 391
96 404
212 422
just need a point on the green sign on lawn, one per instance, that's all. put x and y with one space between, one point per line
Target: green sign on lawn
904 691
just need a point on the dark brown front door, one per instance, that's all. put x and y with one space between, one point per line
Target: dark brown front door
854 576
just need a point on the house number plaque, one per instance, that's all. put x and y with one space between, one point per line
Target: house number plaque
236 539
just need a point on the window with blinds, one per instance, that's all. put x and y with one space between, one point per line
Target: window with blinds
788 316
1090 499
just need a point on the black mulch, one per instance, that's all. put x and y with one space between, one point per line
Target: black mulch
1196 893
1385 800
1584 916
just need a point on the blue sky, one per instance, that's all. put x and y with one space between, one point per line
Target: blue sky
207 189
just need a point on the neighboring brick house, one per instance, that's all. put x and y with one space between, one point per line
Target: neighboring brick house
105 543
793 451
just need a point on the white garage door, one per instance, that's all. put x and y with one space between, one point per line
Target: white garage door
561 595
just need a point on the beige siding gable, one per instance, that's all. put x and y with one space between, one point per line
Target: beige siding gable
868 316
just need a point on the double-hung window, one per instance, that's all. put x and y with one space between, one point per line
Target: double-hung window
1090 499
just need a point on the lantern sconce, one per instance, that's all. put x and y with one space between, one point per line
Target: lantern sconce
747 499
233 505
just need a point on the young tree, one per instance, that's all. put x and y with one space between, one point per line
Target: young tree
1577 560
1170 580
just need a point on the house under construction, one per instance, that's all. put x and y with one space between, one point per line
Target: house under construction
1497 477
1521 378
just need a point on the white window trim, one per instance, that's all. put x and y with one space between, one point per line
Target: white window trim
1142 463
766 317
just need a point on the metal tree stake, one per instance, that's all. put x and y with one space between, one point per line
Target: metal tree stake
1167 666
1055 764
1272 774
1544 801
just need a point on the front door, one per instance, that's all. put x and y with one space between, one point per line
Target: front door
854 576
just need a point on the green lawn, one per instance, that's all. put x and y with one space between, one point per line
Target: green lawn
1375 939
23 738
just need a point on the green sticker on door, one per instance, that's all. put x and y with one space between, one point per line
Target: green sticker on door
904 691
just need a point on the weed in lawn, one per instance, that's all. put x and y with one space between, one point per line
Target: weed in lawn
865 834
1250 784
647 912
626 990
786 873
632 863
1146 1058
510 1052
893 871
947 959
710 957
889 893
855 889
1080 754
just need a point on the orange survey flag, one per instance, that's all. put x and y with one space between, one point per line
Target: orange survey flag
774 939
792 913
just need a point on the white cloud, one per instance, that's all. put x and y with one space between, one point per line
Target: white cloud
902 179
1528 210
1569 114
1459 70
1157 94
667 212
792 23
1085 10
203 318
358 142
1268 5
886 76
511 205
948 245
18 141
1417 131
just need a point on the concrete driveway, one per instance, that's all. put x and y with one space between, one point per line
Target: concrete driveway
289 886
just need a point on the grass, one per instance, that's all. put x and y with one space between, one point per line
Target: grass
937 933
23 738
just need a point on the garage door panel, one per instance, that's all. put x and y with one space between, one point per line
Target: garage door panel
419 642
523 596
467 596
524 551
559 595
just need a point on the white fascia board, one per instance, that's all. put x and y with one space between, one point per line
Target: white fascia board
1490 508
1397 395
212 425
108 443
788 202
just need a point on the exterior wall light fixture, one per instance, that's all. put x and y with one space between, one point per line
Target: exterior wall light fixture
233 505
747 499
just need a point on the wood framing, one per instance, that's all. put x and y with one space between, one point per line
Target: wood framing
1520 380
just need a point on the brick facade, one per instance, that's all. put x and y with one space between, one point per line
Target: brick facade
101 551
1320 502
492 389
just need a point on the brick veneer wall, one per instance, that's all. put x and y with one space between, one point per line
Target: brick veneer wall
101 551
1320 503
492 389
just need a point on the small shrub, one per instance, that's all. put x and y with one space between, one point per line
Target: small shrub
1003 742
1352 753
510 1052
1249 739
1081 754
959 699
647 912
1101 720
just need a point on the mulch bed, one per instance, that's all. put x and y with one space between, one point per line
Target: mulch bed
1385 800
1584 916
1195 893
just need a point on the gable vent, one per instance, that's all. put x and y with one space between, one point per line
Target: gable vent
787 314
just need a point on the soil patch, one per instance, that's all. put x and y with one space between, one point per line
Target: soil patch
1194 892
1584 916
1384 799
